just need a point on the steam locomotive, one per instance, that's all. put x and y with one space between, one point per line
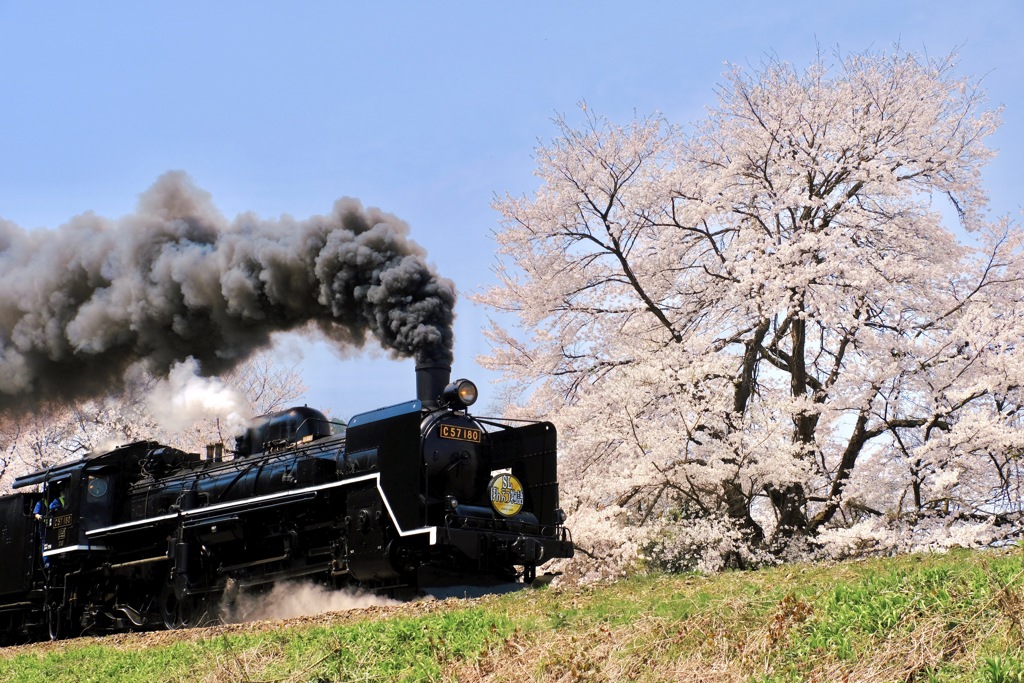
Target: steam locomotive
406 497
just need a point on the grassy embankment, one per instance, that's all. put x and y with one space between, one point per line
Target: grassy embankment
954 617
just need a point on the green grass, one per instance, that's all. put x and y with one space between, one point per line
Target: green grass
952 617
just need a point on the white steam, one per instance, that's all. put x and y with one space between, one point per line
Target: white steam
185 397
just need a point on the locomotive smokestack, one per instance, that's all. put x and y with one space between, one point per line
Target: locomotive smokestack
431 379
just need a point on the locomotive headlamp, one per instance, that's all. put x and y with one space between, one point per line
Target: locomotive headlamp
459 394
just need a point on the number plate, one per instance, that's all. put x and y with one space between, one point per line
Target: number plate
461 433
62 520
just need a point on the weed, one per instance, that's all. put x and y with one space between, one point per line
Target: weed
1000 670
789 612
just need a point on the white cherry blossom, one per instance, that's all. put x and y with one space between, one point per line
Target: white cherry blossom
790 328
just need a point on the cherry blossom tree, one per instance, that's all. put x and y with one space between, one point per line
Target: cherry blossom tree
791 328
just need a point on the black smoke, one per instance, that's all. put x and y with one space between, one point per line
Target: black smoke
80 304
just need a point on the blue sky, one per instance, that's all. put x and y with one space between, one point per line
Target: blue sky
424 109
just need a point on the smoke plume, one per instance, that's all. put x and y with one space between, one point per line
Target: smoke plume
80 304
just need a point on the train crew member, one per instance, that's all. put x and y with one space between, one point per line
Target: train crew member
58 503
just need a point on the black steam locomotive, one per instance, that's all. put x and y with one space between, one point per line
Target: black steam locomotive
414 495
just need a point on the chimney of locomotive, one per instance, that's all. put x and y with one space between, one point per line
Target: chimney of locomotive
431 379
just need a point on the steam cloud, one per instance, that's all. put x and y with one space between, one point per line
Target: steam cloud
185 397
80 304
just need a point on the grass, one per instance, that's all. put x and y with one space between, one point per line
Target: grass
929 618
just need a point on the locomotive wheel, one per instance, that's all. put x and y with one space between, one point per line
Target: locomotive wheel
186 612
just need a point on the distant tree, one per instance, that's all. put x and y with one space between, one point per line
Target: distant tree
266 384
762 338
42 438
56 433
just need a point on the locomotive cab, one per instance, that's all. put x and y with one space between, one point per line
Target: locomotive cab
86 502
58 525
89 489
89 505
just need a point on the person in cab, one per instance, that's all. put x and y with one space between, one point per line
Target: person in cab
41 511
